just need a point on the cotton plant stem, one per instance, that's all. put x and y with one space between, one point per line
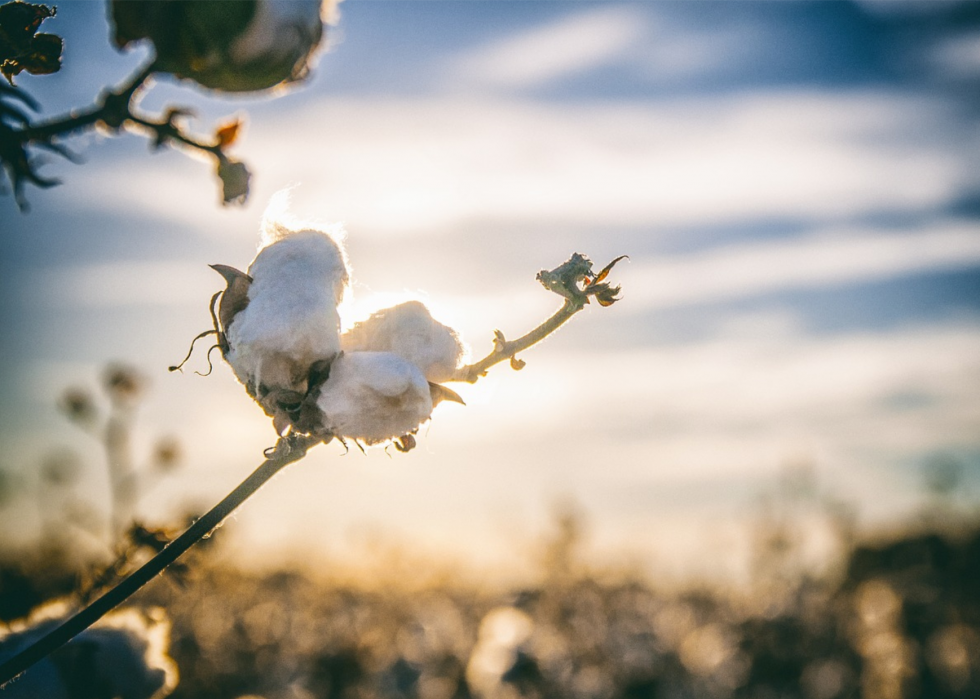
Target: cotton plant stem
576 282
288 450
113 107
504 349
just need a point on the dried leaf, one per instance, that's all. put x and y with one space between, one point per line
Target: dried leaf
234 180
607 295
227 133
405 443
517 364
605 270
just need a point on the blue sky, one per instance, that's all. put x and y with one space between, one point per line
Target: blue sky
796 184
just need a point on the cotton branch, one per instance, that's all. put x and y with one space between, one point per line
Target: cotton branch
116 110
573 280
288 450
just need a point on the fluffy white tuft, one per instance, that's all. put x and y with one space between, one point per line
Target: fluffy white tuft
409 331
374 397
291 320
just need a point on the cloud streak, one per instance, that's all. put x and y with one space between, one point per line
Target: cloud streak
543 54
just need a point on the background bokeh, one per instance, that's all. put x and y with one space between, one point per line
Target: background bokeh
796 184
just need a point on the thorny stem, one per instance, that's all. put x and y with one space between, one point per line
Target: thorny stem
288 450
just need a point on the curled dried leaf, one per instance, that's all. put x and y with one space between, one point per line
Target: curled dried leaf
605 270
405 443
517 364
607 295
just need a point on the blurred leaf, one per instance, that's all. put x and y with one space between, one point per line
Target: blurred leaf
123 384
234 180
21 47
227 133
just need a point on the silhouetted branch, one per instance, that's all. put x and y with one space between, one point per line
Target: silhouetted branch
116 110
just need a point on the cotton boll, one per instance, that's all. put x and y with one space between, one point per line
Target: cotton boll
232 46
374 397
409 331
290 322
125 654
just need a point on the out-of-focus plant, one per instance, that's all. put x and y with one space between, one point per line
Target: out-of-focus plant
123 387
229 46
126 653
126 656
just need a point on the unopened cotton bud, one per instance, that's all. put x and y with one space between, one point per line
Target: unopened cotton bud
374 397
228 45
409 331
289 323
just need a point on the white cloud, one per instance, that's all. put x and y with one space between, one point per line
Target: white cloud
572 44
958 56
432 166
823 259
429 166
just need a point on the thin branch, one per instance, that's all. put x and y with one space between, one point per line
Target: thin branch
112 109
503 349
167 131
573 280
288 450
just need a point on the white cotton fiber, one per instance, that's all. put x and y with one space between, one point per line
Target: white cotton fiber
291 320
374 397
409 331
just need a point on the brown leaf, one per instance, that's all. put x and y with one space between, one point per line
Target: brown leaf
605 270
227 133
607 295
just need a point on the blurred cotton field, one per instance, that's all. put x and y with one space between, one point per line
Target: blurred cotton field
794 368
